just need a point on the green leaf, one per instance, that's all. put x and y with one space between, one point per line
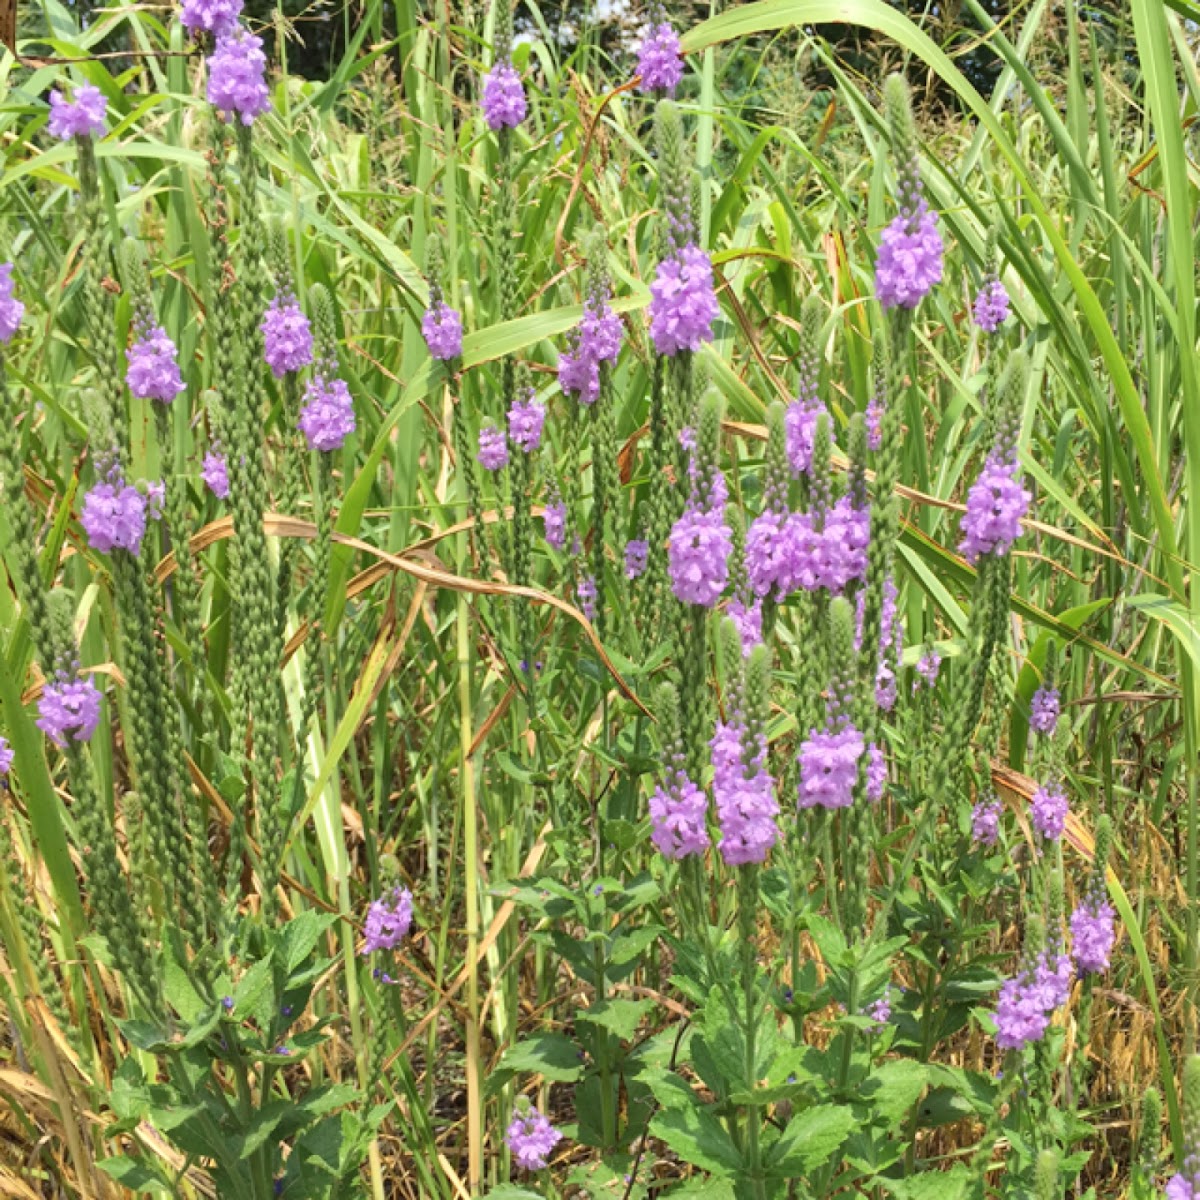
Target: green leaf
135 1174
702 1189
180 991
894 1088
254 993
931 1185
698 1138
810 1140
513 1191
301 935
551 1055
619 1017
261 1126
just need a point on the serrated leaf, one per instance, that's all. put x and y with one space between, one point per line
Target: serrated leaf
894 1088
552 1055
134 1174
698 1138
301 935
630 945
810 1140
931 1185
620 1017
254 993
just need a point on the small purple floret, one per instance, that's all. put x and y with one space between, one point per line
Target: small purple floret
287 337
909 263
388 920
237 83
442 329
991 306
683 302
327 418
80 117
660 60
503 100
11 309
68 706
153 370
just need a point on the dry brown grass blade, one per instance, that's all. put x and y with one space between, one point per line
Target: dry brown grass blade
281 526
11 1185
531 863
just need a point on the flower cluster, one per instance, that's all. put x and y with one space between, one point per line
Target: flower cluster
587 594
747 618
1044 709
800 422
660 61
216 17
991 306
531 1138
829 767
493 448
442 329
287 336
677 813
1185 1184
698 552
327 418
1048 810
388 920
114 515
744 792
910 259
555 521
526 416
237 71
596 339
80 117
11 309
799 550
1093 933
637 555
6 756
68 706
683 302
215 473
1028 1000
153 367
503 101
996 504
985 820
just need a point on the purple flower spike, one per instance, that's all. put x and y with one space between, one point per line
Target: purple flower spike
991 306
1183 1186
80 117
929 667
744 793
114 515
493 449
153 371
1093 932
683 302
660 60
503 100
525 420
800 427
327 418
68 706
587 594
677 814
996 504
985 821
215 474
555 520
6 756
596 339
1048 810
876 772
829 767
388 920
218 17
909 263
11 309
637 555
531 1139
698 551
1028 1000
287 337
748 620
237 82
442 329
1044 709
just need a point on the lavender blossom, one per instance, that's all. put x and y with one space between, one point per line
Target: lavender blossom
525 420
587 594
442 329
11 309
215 473
327 417
800 423
748 619
909 262
637 555
531 1139
698 553
1185 1184
68 706
80 117
660 60
1048 810
1044 709
996 504
596 339
287 336
985 821
153 370
216 17
829 767
1093 933
876 772
503 101
991 306
677 816
237 71
744 793
555 520
388 920
6 756
683 302
493 449
929 667
114 515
